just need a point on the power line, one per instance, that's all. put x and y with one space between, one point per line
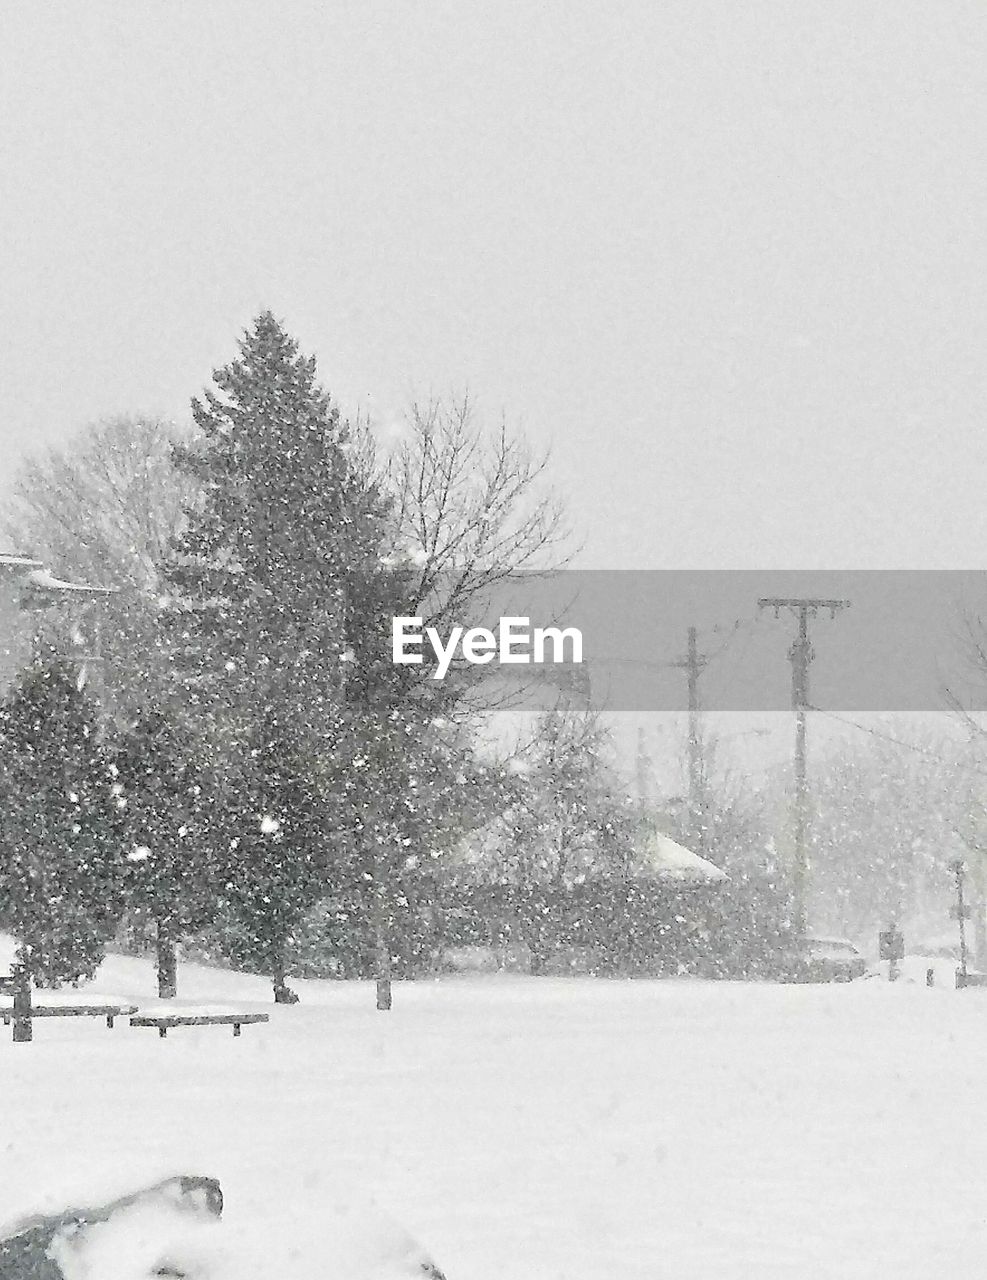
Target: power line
898 742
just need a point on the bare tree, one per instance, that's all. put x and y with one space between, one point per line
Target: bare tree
474 516
103 506
472 506
102 509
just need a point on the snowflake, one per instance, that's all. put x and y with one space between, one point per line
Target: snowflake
139 853
269 826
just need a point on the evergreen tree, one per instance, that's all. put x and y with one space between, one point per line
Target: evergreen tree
59 840
286 523
172 872
282 587
264 586
291 836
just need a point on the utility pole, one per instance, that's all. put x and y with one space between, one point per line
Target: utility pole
693 664
801 655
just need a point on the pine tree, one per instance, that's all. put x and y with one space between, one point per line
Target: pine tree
172 872
59 841
261 578
291 837
264 587
281 590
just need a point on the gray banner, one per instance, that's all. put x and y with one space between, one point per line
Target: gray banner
878 641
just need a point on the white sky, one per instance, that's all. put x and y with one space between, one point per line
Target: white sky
730 259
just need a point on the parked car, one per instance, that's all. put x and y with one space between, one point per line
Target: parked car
826 960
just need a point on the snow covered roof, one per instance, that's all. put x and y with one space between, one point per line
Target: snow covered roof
44 580
661 857
40 582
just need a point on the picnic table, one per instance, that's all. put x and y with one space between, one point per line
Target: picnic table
197 1018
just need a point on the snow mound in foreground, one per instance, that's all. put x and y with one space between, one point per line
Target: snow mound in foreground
144 1241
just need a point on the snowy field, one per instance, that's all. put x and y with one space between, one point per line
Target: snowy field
534 1129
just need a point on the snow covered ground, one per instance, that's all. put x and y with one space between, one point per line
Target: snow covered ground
533 1129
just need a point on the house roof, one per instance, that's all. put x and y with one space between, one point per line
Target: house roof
43 580
661 857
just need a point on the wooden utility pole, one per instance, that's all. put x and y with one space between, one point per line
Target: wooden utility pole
801 655
693 664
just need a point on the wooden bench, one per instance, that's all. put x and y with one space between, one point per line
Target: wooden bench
107 1011
163 1021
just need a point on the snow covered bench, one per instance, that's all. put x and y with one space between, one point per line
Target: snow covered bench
192 1018
107 1011
22 1009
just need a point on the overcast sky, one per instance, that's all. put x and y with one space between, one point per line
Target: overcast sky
729 259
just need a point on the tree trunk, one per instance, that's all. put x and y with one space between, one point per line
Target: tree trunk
22 1003
167 962
383 967
283 994
382 945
